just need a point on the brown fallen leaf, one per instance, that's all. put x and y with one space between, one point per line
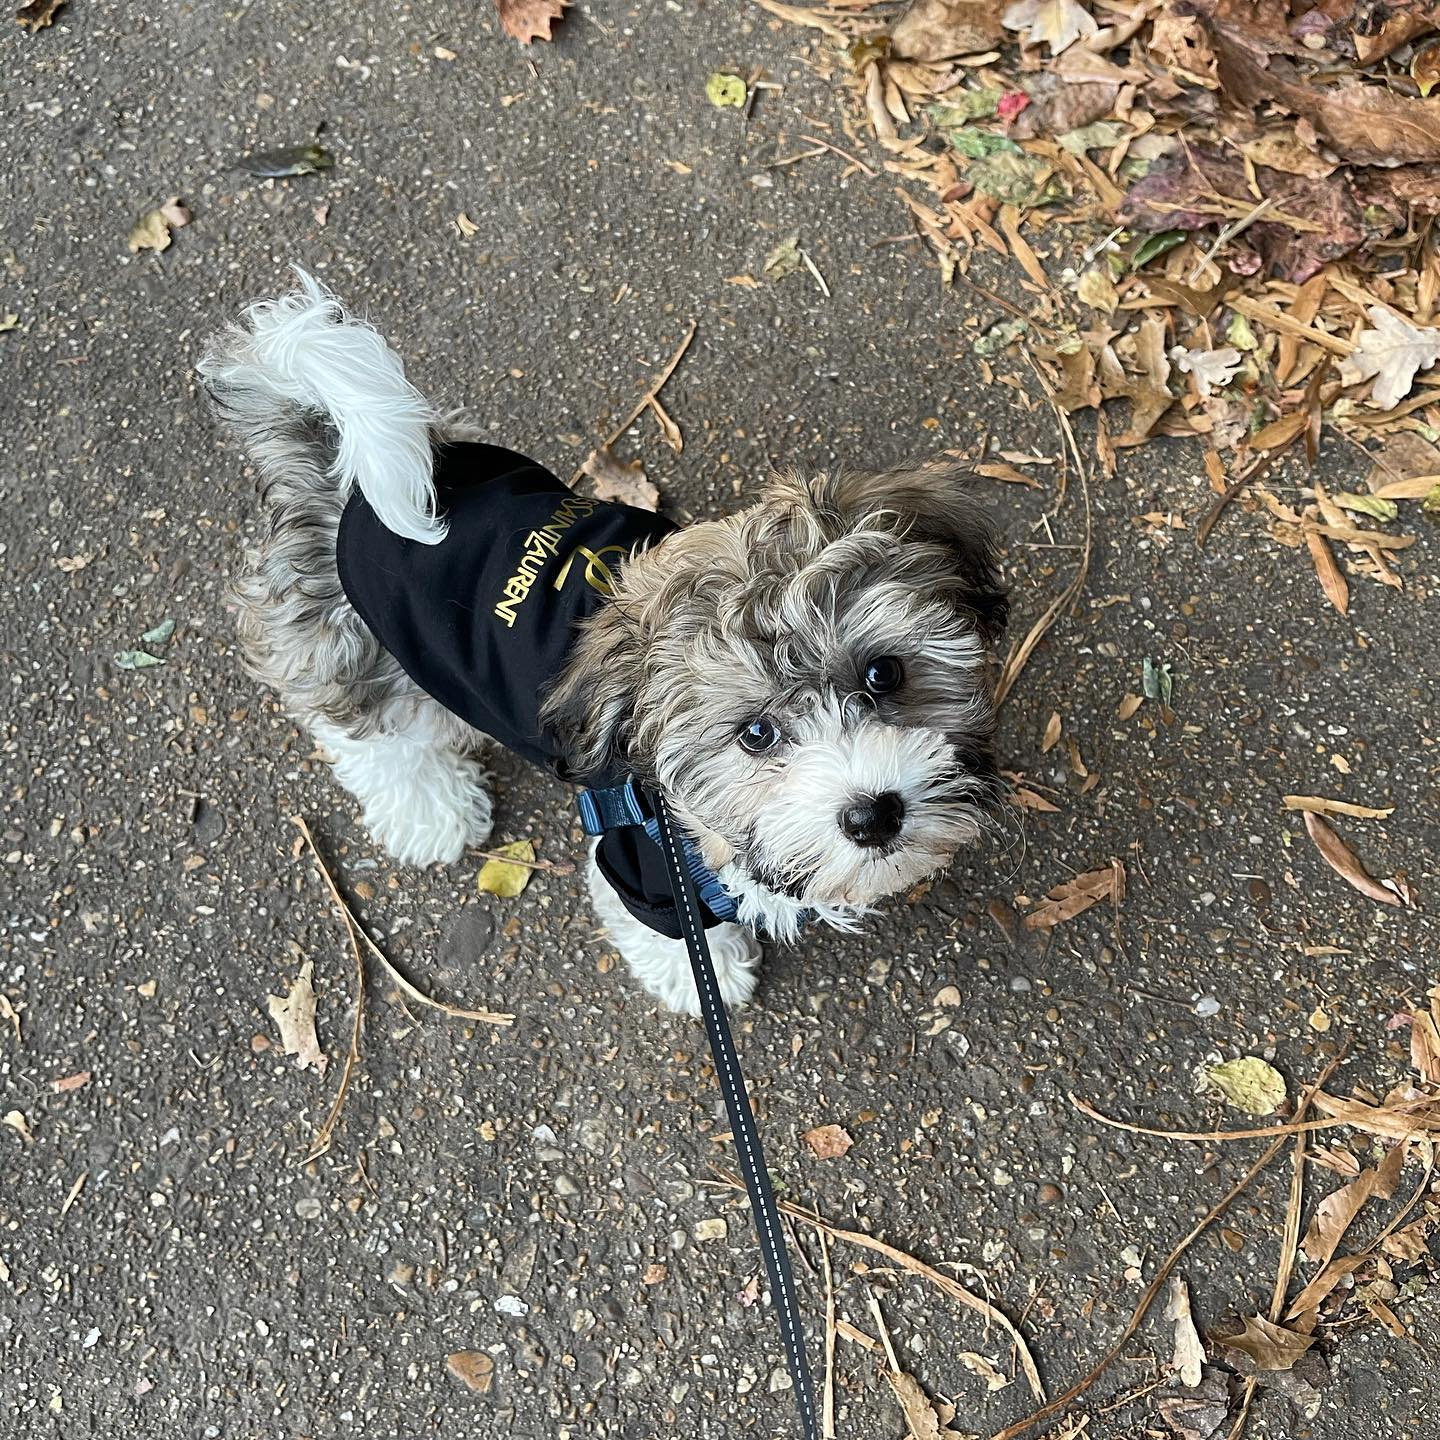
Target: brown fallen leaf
1024 799
1073 897
1425 1039
294 1014
1336 1158
934 30
1417 1121
996 470
1279 432
38 14
1051 736
1130 706
1337 1211
1270 1346
1188 1356
1201 1415
620 480
1319 805
1332 580
1411 1243
1341 859
527 20
1367 123
1146 383
1406 466
472 1368
828 1142
920 1414
70 1082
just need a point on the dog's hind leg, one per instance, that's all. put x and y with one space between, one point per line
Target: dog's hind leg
422 801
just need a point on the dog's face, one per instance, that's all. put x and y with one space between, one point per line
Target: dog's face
806 682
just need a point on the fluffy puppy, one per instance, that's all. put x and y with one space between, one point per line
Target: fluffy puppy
807 682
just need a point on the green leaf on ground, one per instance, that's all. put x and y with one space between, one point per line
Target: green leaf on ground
1156 680
1021 180
1156 244
977 144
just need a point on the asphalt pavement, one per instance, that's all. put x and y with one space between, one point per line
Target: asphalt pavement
542 1193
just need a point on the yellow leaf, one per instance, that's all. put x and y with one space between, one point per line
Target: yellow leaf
1251 1083
151 233
501 877
723 89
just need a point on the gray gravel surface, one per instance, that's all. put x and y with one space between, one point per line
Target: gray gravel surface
171 1265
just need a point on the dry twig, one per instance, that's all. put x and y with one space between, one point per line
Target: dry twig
945 1283
409 990
1019 657
659 384
325 1135
1289 1239
1146 1300
1259 1132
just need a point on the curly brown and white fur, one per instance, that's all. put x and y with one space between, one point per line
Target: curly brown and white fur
774 612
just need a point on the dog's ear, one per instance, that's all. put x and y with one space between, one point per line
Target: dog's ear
591 705
933 501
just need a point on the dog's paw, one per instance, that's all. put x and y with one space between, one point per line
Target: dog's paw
433 811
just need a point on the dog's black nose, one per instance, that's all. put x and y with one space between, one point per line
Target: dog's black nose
874 819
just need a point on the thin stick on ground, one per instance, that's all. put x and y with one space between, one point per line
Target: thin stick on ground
652 393
945 1283
410 991
1019 657
1259 1132
1289 1238
1146 1300
554 867
891 1359
1256 472
325 1135
843 154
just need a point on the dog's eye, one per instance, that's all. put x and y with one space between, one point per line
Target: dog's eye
884 675
760 735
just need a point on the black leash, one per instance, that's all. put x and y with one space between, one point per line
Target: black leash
742 1122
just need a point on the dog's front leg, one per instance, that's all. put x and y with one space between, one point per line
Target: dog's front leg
662 965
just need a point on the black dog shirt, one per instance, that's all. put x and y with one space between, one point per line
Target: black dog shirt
483 621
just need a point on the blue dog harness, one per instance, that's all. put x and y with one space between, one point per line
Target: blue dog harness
620 807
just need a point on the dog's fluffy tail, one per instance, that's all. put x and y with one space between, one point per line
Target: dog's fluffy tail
304 352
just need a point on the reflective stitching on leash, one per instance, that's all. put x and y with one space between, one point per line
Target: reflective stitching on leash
704 971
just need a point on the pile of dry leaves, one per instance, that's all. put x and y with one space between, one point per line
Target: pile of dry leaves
1237 199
